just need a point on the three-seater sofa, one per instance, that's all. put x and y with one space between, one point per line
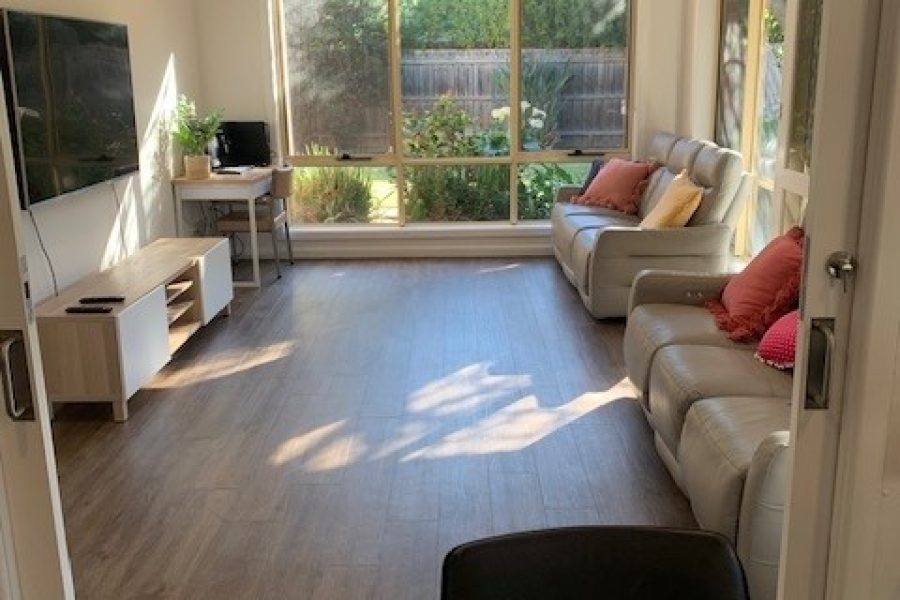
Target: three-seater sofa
600 250
720 416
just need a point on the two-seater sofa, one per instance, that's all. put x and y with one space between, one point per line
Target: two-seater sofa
600 250
720 416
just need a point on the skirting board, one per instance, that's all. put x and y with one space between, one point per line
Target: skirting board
415 241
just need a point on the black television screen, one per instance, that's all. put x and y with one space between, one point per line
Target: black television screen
70 100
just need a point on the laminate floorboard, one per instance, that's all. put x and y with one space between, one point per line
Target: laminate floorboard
350 423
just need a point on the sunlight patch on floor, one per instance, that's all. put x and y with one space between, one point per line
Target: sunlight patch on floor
465 390
516 426
297 448
225 364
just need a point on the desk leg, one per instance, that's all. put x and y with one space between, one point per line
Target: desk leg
254 241
179 213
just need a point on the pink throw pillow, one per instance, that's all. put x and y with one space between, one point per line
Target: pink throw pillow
779 344
764 291
619 185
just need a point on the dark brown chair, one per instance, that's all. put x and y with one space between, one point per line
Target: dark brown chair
586 563
271 215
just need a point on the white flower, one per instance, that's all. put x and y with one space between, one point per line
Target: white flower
526 104
500 114
536 123
539 113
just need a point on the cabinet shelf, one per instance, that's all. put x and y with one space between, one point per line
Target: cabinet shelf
178 309
176 289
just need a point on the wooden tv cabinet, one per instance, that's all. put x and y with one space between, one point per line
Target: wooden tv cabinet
172 288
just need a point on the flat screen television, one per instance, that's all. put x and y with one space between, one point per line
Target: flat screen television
70 102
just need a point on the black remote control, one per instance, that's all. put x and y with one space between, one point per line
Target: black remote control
89 310
102 300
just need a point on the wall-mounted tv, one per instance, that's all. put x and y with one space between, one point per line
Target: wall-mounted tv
70 101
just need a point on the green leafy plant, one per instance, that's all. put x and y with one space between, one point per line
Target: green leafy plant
453 193
191 131
538 184
543 85
331 194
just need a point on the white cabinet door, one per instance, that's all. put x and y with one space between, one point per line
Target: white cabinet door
216 285
143 331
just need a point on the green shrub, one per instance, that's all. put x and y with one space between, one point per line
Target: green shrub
538 184
331 194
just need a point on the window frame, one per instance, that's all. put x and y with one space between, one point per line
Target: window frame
397 160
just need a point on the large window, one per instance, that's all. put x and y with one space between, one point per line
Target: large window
769 54
402 111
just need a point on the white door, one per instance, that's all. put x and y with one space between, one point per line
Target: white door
830 71
865 539
35 562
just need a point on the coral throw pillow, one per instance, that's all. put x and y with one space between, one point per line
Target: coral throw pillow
619 185
679 202
779 344
763 292
596 165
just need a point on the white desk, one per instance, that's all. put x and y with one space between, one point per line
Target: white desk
227 188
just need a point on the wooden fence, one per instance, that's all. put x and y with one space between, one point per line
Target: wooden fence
591 105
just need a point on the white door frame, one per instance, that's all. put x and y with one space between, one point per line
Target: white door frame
37 555
841 133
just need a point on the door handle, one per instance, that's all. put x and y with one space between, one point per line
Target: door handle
14 377
820 354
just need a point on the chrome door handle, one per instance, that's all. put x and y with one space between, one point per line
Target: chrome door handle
820 353
14 377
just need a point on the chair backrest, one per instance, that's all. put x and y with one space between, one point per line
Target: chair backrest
718 171
680 157
282 182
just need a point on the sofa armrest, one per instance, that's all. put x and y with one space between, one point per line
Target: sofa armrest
567 192
676 287
701 240
762 514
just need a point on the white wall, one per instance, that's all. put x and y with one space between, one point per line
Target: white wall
86 231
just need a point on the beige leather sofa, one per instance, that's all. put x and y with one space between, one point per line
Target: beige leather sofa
720 417
601 250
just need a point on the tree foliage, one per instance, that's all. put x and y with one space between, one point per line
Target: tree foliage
470 24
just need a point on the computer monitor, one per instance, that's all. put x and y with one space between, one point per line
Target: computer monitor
243 143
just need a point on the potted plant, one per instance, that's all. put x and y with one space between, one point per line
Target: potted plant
194 133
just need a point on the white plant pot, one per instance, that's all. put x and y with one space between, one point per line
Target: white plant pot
197 167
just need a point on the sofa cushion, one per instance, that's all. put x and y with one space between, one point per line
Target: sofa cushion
677 205
718 442
681 158
682 375
568 209
767 289
566 228
718 171
619 185
655 326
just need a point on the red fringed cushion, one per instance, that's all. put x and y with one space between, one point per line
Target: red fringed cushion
619 185
763 292
779 345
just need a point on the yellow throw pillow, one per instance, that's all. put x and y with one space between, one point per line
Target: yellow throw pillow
676 207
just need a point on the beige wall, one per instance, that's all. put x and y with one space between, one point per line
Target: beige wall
676 57
86 231
236 66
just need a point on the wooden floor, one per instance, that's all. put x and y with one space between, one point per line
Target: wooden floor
348 425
